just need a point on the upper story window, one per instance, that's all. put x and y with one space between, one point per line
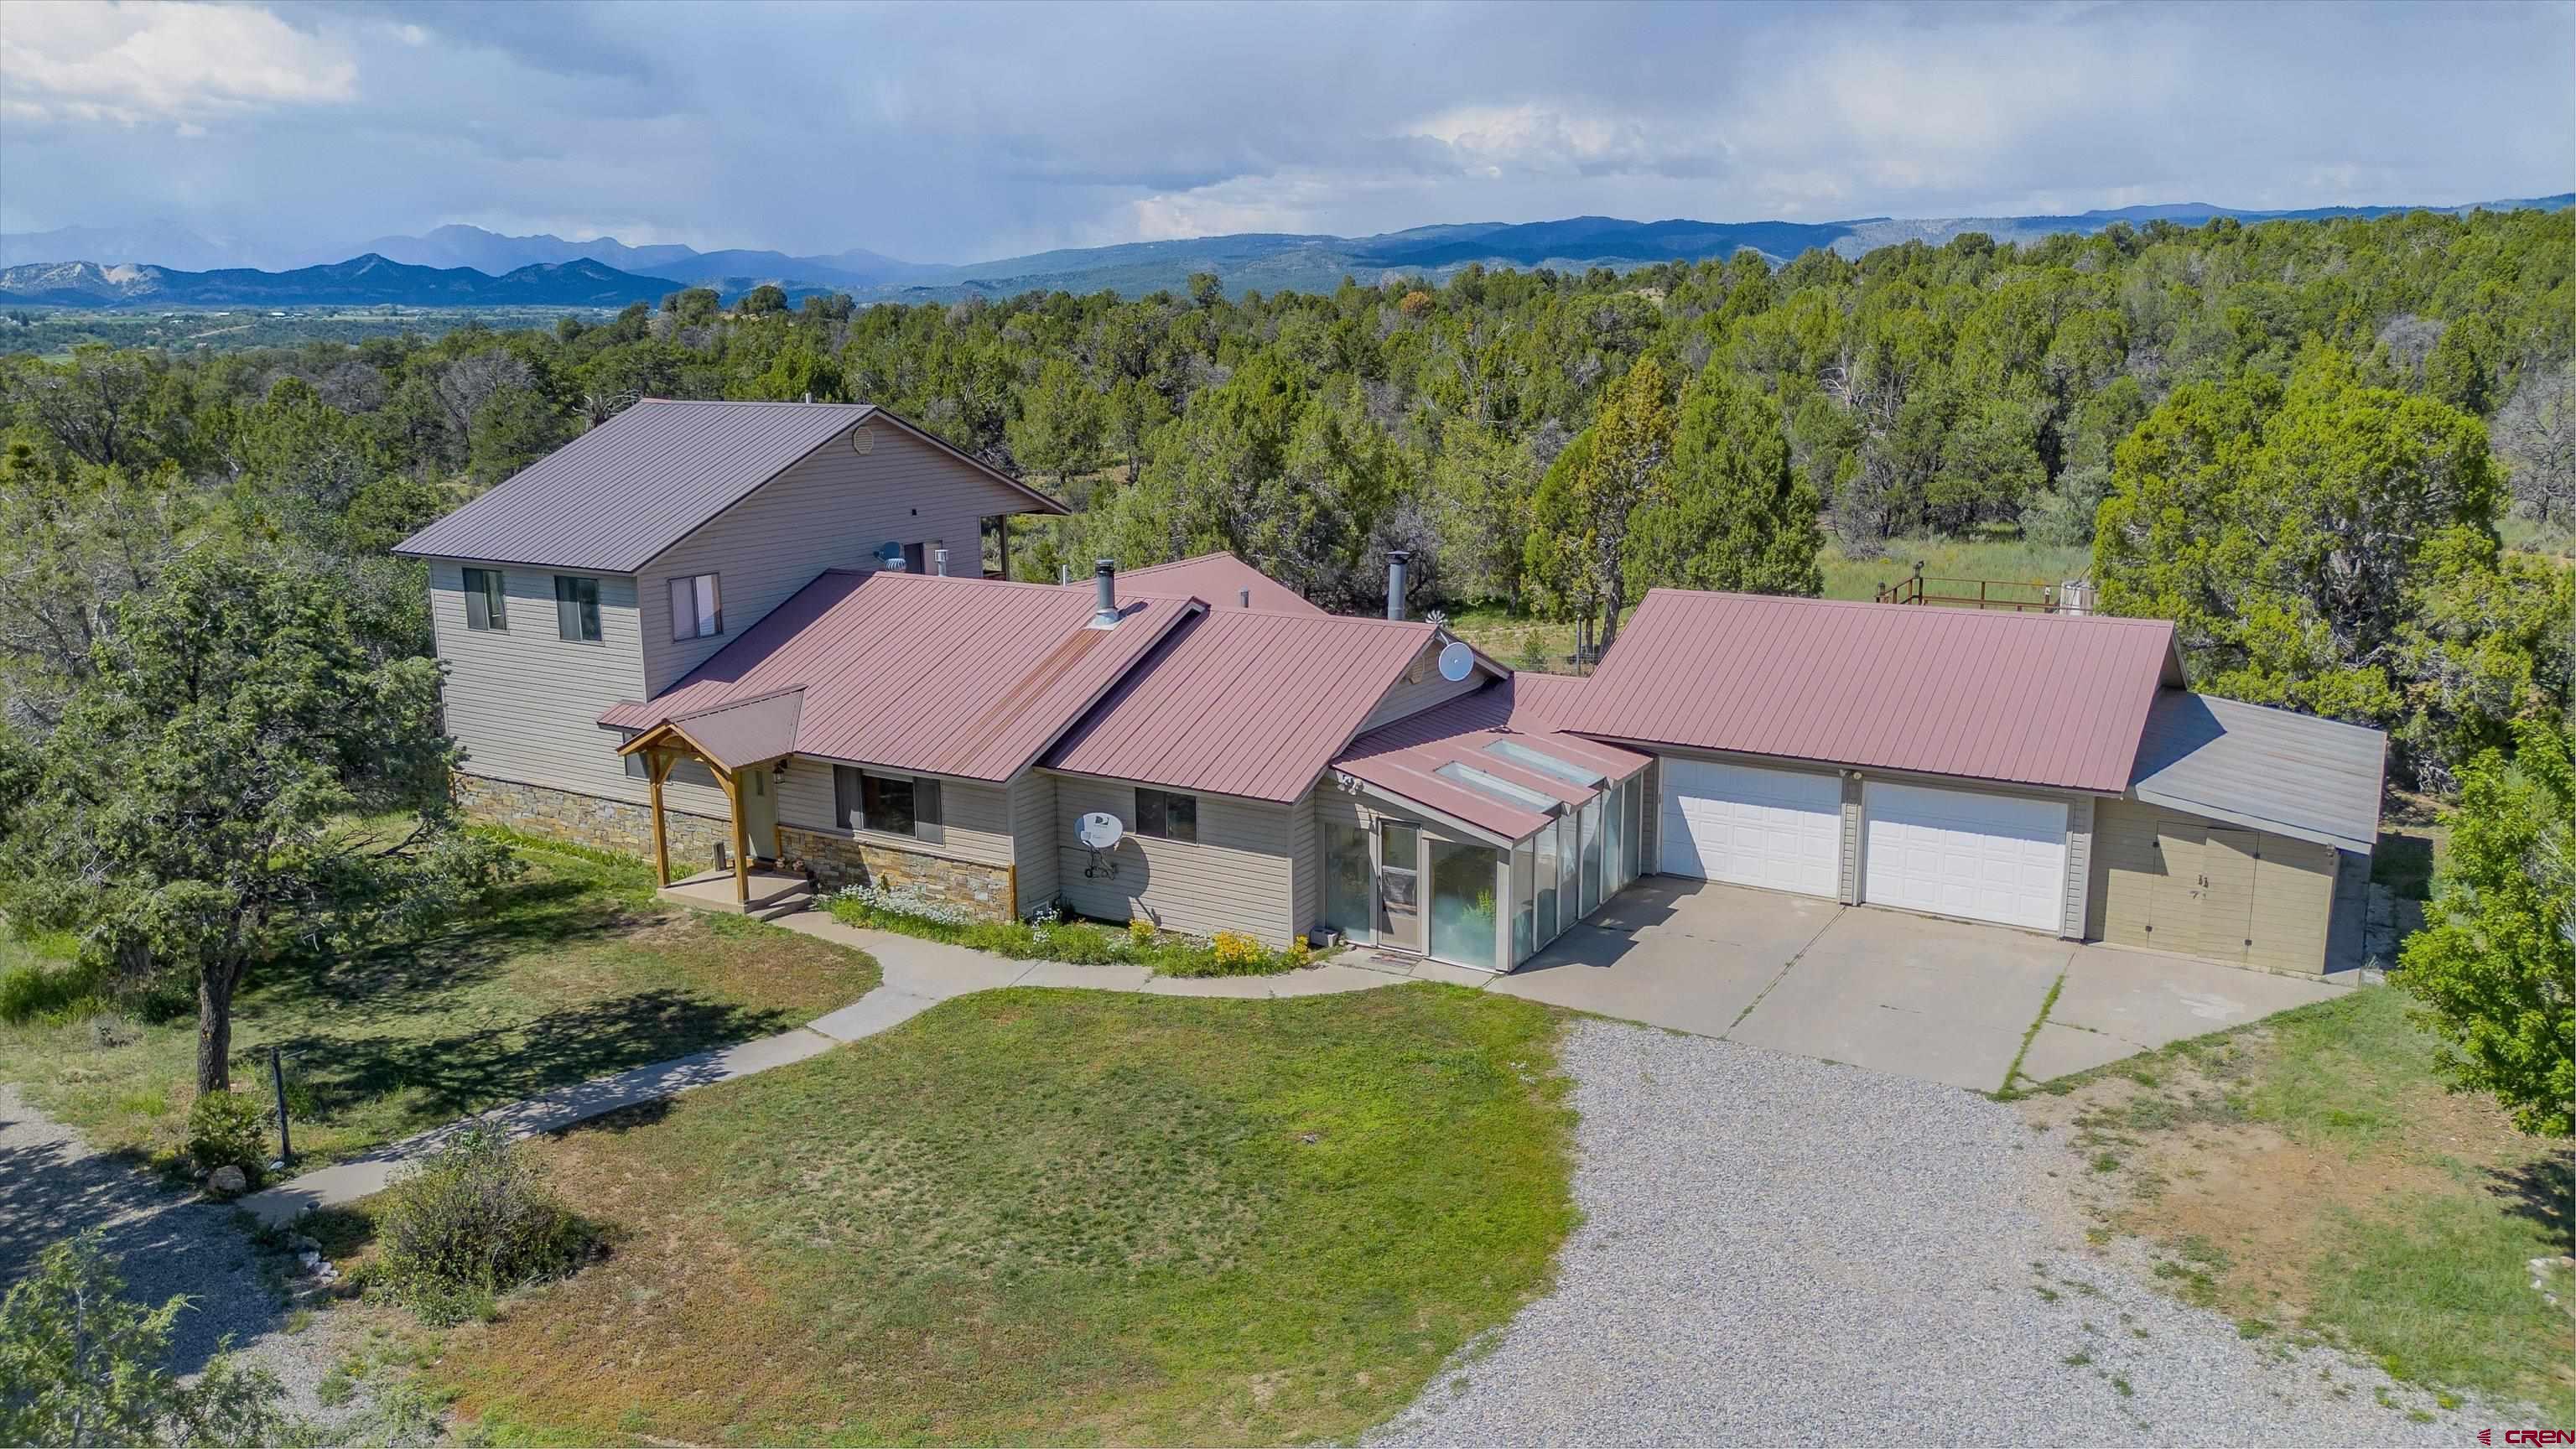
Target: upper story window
1167 815
888 804
697 607
486 600
577 608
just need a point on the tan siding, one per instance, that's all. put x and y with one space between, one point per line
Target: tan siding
976 824
1034 839
2079 866
2289 914
832 510
524 702
1413 696
1237 876
1306 860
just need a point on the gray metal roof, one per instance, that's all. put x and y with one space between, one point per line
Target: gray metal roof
2291 774
611 499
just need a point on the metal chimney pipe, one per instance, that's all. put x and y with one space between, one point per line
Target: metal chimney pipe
1104 578
1396 559
939 562
1243 598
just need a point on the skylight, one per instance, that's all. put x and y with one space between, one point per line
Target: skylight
1503 790
1546 764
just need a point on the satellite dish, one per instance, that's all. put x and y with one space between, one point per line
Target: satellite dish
1456 661
1099 829
890 554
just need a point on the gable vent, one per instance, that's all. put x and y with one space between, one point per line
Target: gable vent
863 440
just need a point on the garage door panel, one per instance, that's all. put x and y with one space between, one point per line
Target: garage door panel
1995 858
1776 828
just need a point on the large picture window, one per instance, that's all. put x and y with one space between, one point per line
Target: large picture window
1167 815
697 607
1463 905
577 608
887 804
486 600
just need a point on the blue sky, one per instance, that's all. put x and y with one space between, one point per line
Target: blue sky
963 132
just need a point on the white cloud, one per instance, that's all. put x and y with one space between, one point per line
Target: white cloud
129 63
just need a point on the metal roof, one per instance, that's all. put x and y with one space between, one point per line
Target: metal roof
1407 759
2033 699
1244 702
748 732
1218 578
1539 701
613 498
2291 774
971 678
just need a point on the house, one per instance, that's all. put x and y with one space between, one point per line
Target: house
831 699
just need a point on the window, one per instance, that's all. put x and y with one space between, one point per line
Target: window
887 804
697 610
1165 815
485 600
577 608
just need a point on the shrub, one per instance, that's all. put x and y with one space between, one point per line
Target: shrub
80 1363
1083 944
470 1223
33 989
227 1129
1234 950
1141 931
1042 938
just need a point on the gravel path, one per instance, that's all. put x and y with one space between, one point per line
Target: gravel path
1783 1251
53 1185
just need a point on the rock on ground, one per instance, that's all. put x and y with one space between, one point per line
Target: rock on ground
1783 1251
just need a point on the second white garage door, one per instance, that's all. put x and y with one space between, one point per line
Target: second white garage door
1776 828
1998 858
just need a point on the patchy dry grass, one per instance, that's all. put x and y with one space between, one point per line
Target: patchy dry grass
572 970
2307 1174
1062 1216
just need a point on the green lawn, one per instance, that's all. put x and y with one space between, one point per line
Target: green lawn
572 970
1053 1216
2310 1176
1509 636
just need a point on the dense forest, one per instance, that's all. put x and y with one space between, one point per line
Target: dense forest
1549 442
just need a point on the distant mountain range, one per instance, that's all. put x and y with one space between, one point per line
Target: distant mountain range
466 266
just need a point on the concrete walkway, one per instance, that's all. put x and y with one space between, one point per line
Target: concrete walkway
918 976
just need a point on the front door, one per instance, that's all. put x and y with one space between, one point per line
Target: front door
759 795
1399 886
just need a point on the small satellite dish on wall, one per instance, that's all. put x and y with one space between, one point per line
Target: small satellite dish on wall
1099 830
1456 661
863 440
890 554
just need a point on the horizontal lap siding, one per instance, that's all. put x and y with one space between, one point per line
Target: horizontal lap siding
976 824
1034 839
1413 696
525 702
1237 876
831 510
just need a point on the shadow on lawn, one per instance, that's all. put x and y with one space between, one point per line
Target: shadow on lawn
2542 1191
440 1077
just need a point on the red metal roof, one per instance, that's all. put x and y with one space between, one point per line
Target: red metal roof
1541 701
1218 578
2034 699
1244 702
945 676
1404 758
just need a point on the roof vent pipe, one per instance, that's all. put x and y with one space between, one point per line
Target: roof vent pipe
1104 577
1243 598
939 562
1396 559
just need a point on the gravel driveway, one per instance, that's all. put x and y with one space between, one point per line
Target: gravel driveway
1783 1251
52 1186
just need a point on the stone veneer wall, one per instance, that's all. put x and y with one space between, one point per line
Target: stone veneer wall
601 824
837 860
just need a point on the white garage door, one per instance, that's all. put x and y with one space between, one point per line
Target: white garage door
1995 858
1776 828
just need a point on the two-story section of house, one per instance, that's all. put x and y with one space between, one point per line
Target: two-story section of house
611 568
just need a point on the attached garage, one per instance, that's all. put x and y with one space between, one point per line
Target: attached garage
1971 854
1745 825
